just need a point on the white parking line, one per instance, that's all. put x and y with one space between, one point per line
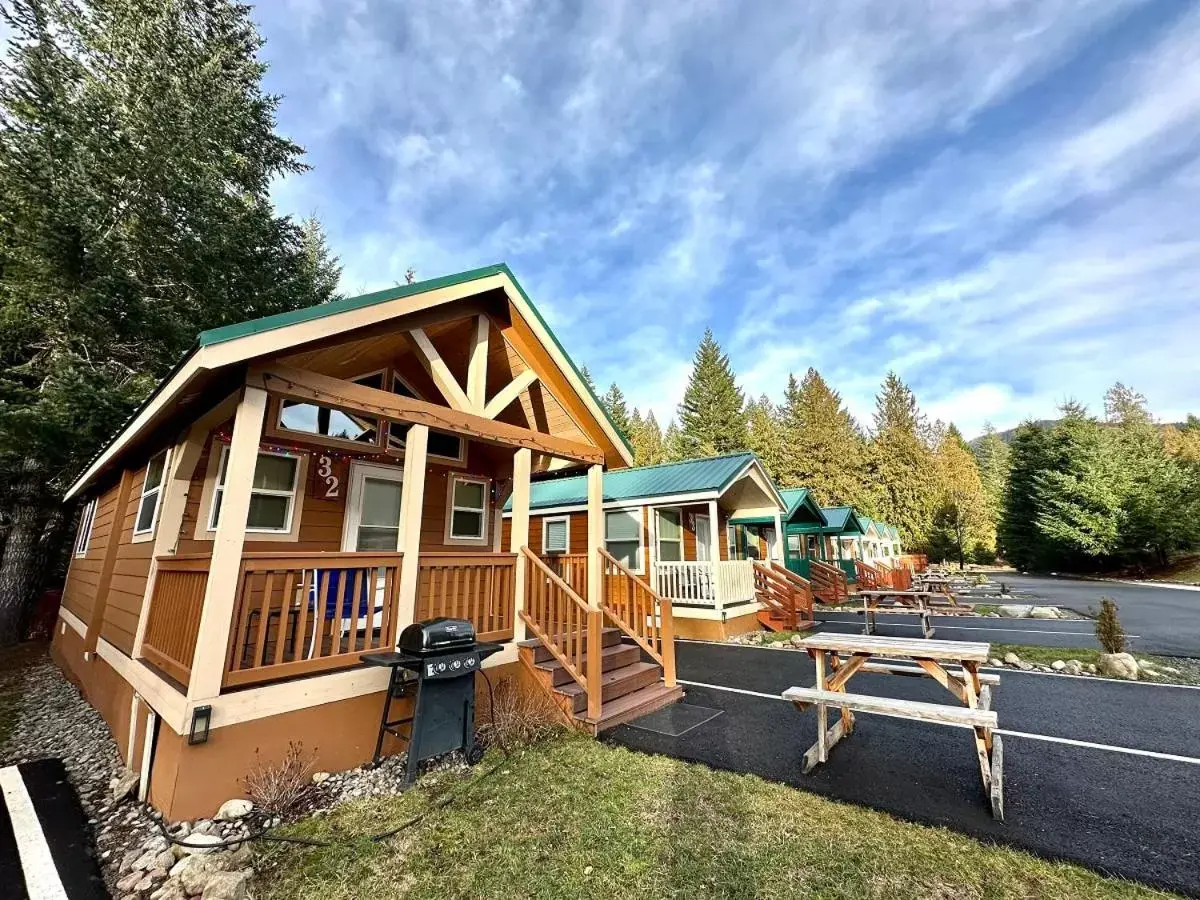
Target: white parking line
41 875
1112 748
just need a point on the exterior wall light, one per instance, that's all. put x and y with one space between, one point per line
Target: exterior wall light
201 718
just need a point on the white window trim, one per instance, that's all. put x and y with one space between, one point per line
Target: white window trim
641 537
546 531
146 534
706 545
359 472
292 495
83 537
659 539
450 538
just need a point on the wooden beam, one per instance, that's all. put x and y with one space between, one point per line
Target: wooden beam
412 503
509 393
595 536
477 367
440 372
309 387
225 569
522 464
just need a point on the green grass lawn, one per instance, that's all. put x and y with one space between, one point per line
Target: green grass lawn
574 818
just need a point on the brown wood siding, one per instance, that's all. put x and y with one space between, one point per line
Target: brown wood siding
132 568
83 574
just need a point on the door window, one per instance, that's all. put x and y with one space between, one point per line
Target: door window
703 539
670 536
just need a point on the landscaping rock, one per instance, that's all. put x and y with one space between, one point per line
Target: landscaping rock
232 810
1073 667
995 663
1012 659
1058 665
1014 611
1044 612
1025 667
122 784
320 777
1118 665
129 882
228 886
200 843
200 870
1091 667
170 890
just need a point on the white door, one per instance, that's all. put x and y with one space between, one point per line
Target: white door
703 539
372 520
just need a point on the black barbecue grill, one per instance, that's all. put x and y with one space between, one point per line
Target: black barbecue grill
440 658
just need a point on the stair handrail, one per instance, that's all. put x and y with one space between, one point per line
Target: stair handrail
566 646
662 620
799 583
833 576
773 590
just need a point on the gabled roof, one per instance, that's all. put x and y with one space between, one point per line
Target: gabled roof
894 532
800 499
709 476
222 347
843 520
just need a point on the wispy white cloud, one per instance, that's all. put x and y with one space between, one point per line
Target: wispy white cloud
995 199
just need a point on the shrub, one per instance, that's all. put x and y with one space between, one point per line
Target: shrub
278 788
983 555
519 718
1108 627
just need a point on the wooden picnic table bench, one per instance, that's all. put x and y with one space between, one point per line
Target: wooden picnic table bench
902 603
962 679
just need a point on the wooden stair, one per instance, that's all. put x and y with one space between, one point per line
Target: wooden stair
631 686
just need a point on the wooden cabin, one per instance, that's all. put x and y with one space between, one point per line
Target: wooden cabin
303 486
693 529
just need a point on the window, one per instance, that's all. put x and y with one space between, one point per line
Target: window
556 534
670 536
445 446
272 493
623 537
147 514
311 418
794 544
468 510
84 535
373 509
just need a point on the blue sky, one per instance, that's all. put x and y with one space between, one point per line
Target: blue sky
999 200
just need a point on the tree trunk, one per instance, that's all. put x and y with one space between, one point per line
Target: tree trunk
21 569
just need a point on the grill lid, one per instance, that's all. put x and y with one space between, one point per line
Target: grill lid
441 635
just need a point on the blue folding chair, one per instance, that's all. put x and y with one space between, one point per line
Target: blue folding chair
341 589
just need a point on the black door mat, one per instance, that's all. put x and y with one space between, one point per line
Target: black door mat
675 720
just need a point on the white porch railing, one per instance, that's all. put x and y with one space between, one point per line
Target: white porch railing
713 585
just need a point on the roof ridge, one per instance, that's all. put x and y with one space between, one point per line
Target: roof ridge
678 462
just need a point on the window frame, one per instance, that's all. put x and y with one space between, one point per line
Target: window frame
147 533
452 479
635 511
292 495
279 430
566 520
460 459
658 538
83 534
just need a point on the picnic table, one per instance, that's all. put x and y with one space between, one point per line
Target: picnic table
952 664
913 603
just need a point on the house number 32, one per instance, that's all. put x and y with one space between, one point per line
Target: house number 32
329 481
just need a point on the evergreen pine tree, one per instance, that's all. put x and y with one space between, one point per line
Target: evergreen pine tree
823 448
712 415
962 521
646 439
901 464
992 456
673 449
1019 537
137 150
618 411
588 380
764 435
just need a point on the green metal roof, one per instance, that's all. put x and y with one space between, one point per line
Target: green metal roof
843 520
691 476
798 500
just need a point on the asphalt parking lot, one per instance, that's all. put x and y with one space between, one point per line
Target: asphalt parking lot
1102 773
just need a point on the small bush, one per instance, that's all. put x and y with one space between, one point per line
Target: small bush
1108 627
519 718
982 555
278 788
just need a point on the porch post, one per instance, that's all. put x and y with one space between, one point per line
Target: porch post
595 535
714 533
412 502
779 537
522 463
225 567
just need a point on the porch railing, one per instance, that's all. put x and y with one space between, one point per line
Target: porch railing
635 608
915 562
571 568
174 617
300 613
566 625
711 584
828 582
477 587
